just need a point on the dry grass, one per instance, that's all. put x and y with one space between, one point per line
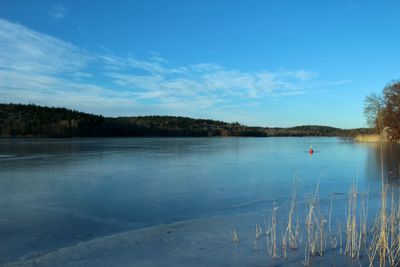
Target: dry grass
258 233
369 138
271 233
292 233
353 238
380 236
235 236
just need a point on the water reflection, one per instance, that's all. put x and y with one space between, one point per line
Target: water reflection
391 162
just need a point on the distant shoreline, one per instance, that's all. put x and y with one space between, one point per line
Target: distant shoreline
33 121
170 137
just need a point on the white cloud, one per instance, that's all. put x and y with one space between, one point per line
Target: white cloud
35 67
57 12
23 50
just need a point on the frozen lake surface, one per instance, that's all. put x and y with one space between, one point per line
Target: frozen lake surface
63 193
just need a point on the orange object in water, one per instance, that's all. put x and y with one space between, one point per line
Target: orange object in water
311 151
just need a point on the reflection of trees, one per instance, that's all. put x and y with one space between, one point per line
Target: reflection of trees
391 162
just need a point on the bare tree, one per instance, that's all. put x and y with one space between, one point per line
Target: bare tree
373 110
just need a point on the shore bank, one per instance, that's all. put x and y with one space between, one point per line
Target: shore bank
369 138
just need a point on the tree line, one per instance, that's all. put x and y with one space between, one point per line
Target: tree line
37 121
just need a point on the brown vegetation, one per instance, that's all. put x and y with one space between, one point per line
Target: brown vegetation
369 138
383 112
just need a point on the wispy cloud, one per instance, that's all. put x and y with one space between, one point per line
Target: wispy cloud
35 67
57 12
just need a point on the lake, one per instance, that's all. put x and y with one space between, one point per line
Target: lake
55 193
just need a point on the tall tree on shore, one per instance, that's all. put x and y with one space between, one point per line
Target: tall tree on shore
391 118
383 113
373 110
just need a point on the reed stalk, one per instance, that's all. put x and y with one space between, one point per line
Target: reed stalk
235 236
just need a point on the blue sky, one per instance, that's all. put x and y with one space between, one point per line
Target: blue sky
266 63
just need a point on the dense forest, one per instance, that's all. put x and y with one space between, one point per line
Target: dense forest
37 121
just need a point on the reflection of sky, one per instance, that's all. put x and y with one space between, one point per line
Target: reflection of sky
91 187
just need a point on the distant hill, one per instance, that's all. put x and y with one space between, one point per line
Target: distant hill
37 121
